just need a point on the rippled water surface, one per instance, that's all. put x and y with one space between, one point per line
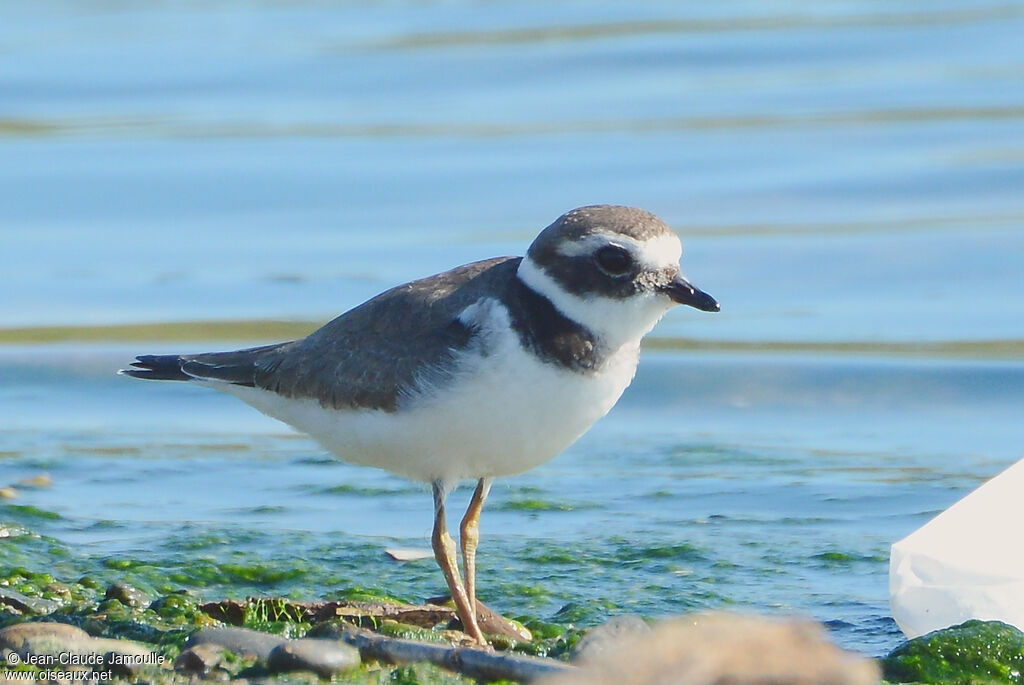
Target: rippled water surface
848 179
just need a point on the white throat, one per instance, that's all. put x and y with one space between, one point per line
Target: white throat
615 322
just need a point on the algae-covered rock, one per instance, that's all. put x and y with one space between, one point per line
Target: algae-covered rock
25 604
127 595
326 658
974 652
242 641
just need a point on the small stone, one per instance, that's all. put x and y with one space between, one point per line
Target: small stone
8 493
89 582
241 641
14 637
127 595
41 480
25 604
200 659
326 658
607 637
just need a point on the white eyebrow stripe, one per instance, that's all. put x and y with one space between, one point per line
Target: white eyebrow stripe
654 253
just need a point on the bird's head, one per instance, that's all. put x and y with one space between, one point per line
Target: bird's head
612 269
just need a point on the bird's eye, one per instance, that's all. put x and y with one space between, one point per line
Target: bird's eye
613 260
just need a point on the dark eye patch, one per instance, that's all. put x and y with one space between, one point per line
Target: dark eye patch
613 260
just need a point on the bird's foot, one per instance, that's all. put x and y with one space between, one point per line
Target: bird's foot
490 621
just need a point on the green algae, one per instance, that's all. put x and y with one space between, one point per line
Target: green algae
27 511
358 593
274 615
553 640
683 552
409 632
419 674
972 653
838 559
179 584
363 491
256 574
536 505
164 625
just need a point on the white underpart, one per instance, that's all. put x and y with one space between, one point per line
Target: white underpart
653 254
505 412
617 322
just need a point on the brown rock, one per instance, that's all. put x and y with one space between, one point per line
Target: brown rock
241 641
14 637
200 659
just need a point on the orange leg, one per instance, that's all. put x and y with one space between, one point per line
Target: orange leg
444 552
470 537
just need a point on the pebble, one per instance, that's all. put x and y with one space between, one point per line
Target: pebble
14 637
326 658
241 641
607 637
8 493
127 595
29 605
41 480
200 659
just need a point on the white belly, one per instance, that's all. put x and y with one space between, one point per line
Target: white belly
504 413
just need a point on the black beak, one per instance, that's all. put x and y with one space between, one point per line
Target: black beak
682 292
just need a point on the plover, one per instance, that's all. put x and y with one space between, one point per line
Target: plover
486 370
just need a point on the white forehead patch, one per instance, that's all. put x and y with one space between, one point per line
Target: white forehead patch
654 253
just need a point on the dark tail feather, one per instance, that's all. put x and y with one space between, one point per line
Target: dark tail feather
238 367
158 367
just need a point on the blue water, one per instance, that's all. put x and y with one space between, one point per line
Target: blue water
839 172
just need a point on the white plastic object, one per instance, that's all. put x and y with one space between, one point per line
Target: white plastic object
966 563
